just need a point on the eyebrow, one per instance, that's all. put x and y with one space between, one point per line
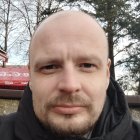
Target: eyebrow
90 58
42 61
50 60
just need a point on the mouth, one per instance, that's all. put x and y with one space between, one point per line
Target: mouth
67 109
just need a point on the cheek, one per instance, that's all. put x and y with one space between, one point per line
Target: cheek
95 88
41 95
96 91
43 89
43 85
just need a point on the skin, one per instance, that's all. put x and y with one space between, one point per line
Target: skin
69 72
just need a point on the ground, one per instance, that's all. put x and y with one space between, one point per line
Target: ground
8 106
136 114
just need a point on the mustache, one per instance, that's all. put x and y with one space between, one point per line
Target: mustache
69 99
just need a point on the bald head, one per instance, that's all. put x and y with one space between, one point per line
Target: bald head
67 23
69 72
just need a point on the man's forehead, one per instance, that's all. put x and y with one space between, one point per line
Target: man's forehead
69 22
65 19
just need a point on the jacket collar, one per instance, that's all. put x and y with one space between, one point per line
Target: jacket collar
113 123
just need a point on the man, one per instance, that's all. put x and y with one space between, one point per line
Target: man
69 96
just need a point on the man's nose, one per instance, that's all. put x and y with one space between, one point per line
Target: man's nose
69 82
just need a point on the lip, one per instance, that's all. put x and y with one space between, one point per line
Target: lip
67 109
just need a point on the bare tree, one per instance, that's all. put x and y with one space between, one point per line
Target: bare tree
19 19
5 21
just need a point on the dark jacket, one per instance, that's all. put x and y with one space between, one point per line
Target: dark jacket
115 122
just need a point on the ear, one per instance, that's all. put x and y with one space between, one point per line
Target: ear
28 66
30 84
108 72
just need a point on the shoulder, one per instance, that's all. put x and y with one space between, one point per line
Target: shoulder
7 126
136 126
7 120
135 131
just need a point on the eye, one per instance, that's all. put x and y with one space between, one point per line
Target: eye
50 68
87 67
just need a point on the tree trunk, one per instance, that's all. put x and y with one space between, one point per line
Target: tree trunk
6 37
111 44
110 21
38 7
6 28
138 91
3 65
111 56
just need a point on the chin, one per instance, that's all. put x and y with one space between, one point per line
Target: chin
78 124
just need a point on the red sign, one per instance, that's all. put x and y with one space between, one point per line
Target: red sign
14 76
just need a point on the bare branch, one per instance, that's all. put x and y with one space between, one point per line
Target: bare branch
123 49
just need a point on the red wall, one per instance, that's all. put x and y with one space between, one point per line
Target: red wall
14 77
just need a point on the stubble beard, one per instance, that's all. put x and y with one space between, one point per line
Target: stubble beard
69 124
